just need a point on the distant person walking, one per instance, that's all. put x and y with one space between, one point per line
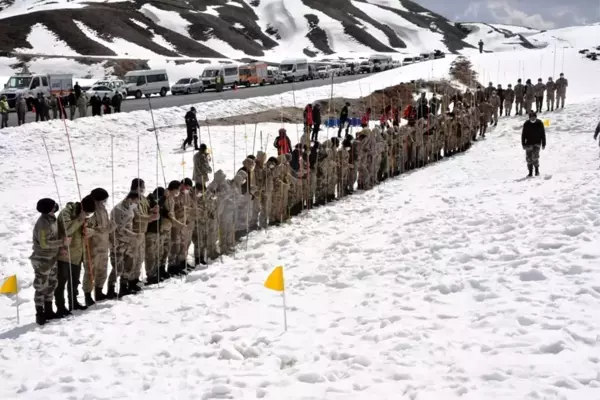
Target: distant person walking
480 46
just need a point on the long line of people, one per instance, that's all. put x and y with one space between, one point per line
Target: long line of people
155 231
55 106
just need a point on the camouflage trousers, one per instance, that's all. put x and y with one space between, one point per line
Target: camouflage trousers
519 107
185 242
204 238
495 115
118 253
99 269
265 207
227 231
45 281
507 107
560 99
155 252
135 257
550 102
279 212
532 155
528 104
175 245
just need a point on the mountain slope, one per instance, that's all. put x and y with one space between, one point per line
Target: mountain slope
227 28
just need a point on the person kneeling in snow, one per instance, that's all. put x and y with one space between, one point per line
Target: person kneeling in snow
532 138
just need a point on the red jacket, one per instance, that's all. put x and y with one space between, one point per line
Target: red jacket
283 144
308 118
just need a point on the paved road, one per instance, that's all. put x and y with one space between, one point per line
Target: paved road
132 104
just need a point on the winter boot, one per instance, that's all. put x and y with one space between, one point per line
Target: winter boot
164 275
173 270
99 295
111 293
49 314
133 286
40 317
530 168
88 299
537 171
200 263
78 306
124 288
152 280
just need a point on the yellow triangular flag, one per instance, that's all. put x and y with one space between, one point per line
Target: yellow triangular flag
547 123
275 280
9 286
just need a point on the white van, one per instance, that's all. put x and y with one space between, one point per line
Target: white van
380 62
230 73
294 69
147 82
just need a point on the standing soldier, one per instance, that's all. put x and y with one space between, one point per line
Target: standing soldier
122 219
181 237
46 246
550 89
509 98
82 103
21 108
529 96
539 89
434 105
4 109
94 276
72 222
479 96
532 138
561 90
201 166
468 99
519 97
142 216
171 227
495 102
155 239
54 105
485 113
192 126
344 120
500 93
489 90
264 185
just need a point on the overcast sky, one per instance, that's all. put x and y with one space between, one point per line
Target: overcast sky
540 14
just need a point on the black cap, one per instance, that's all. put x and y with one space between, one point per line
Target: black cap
88 204
46 206
137 183
203 147
99 194
532 114
174 185
187 182
193 109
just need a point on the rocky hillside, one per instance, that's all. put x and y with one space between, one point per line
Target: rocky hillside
223 28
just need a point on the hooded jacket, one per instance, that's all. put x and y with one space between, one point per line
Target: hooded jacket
201 168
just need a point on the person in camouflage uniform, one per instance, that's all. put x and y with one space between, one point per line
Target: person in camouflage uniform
184 205
246 216
172 226
485 114
264 186
479 96
229 199
495 102
509 98
529 96
122 218
94 277
468 98
550 94
561 90
154 240
46 245
72 222
538 91
342 160
281 185
204 235
488 91
202 166
519 97
219 188
142 216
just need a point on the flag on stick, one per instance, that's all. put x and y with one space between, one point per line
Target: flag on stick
275 281
10 286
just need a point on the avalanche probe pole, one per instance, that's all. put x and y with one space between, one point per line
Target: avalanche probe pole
162 166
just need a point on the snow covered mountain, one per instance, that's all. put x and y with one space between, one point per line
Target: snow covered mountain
227 28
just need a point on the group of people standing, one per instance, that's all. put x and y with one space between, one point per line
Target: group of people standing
55 106
156 230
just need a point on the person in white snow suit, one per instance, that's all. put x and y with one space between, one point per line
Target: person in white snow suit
532 139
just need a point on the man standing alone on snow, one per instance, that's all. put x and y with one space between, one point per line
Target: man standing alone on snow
192 126
532 138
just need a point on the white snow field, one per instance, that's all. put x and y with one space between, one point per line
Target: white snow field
461 279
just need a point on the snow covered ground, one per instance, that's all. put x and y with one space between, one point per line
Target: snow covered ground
457 280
